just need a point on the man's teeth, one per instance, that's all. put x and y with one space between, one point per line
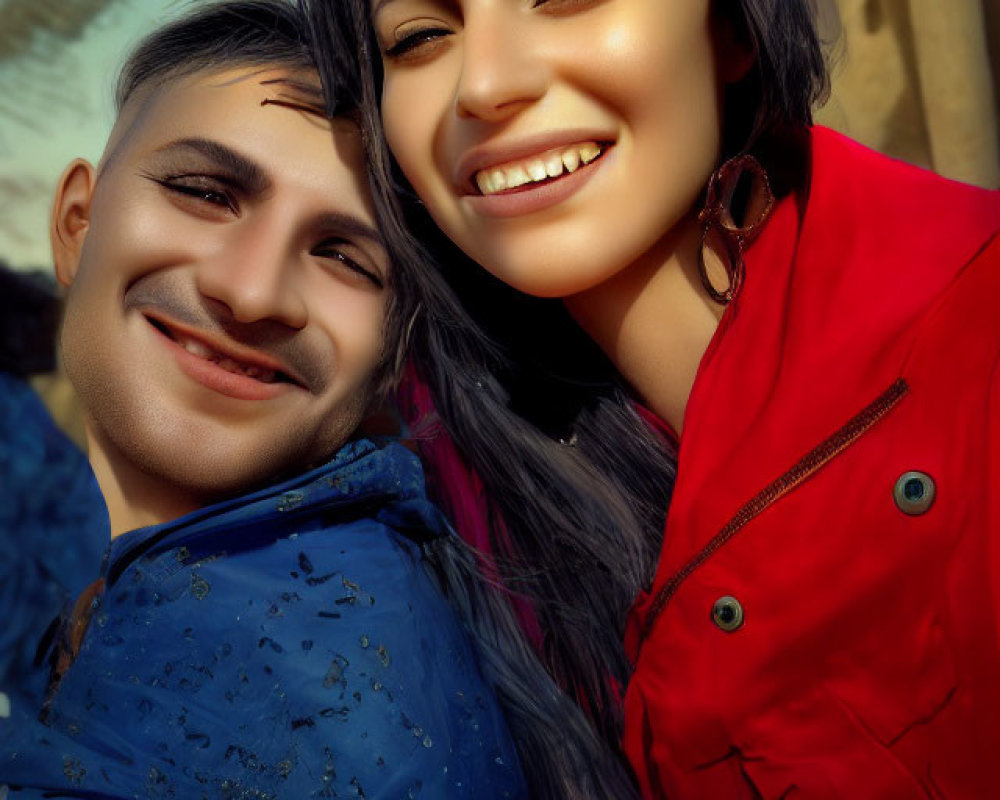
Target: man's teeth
229 365
198 349
550 164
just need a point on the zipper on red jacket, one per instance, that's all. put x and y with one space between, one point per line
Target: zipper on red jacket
803 469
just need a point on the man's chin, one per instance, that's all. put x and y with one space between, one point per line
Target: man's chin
234 471
167 462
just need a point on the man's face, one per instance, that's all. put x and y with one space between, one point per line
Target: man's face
228 288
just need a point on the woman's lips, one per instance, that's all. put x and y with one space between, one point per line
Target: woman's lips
536 196
545 166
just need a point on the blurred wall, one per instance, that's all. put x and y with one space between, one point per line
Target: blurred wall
919 79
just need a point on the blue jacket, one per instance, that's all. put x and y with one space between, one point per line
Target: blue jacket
289 643
53 525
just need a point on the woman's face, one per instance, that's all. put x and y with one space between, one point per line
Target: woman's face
555 141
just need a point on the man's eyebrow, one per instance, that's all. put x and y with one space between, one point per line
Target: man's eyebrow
241 169
348 225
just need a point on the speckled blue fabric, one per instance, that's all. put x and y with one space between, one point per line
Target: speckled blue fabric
289 644
53 525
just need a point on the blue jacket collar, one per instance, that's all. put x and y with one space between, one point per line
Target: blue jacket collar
378 480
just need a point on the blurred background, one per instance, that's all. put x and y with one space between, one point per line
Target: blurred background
58 60
919 80
916 79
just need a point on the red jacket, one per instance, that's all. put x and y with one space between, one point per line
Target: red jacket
815 629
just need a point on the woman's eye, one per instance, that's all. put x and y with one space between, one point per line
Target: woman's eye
335 251
416 41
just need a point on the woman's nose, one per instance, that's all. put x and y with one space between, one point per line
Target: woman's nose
502 72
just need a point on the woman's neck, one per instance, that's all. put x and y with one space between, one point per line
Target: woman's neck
654 321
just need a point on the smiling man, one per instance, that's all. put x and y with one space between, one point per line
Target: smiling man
227 291
265 624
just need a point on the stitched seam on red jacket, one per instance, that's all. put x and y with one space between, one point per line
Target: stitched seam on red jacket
805 467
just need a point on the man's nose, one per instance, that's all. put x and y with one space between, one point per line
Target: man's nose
502 69
256 276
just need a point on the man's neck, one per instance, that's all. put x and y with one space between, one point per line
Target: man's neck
135 499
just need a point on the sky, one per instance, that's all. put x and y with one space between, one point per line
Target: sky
56 102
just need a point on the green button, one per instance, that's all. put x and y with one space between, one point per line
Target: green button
727 613
914 492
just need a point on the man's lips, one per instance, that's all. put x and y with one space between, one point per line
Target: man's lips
229 356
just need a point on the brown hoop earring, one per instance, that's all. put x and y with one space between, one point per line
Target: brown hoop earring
738 201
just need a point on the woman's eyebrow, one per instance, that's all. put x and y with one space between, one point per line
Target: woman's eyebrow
247 172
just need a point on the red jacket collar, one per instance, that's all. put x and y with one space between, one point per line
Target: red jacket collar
835 285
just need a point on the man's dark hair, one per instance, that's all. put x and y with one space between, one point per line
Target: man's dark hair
216 36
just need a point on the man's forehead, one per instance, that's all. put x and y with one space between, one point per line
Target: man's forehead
258 127
302 83
250 87
299 89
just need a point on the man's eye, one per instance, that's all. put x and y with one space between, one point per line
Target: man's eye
415 41
335 251
564 6
201 188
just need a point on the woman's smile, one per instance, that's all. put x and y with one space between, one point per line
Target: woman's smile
529 172
529 196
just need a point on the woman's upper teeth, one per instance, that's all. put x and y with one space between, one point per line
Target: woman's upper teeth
550 164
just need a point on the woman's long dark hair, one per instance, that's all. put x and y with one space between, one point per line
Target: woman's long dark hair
561 534
574 484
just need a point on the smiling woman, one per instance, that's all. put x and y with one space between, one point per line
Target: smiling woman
803 320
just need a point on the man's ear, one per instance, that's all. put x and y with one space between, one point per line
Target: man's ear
71 218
